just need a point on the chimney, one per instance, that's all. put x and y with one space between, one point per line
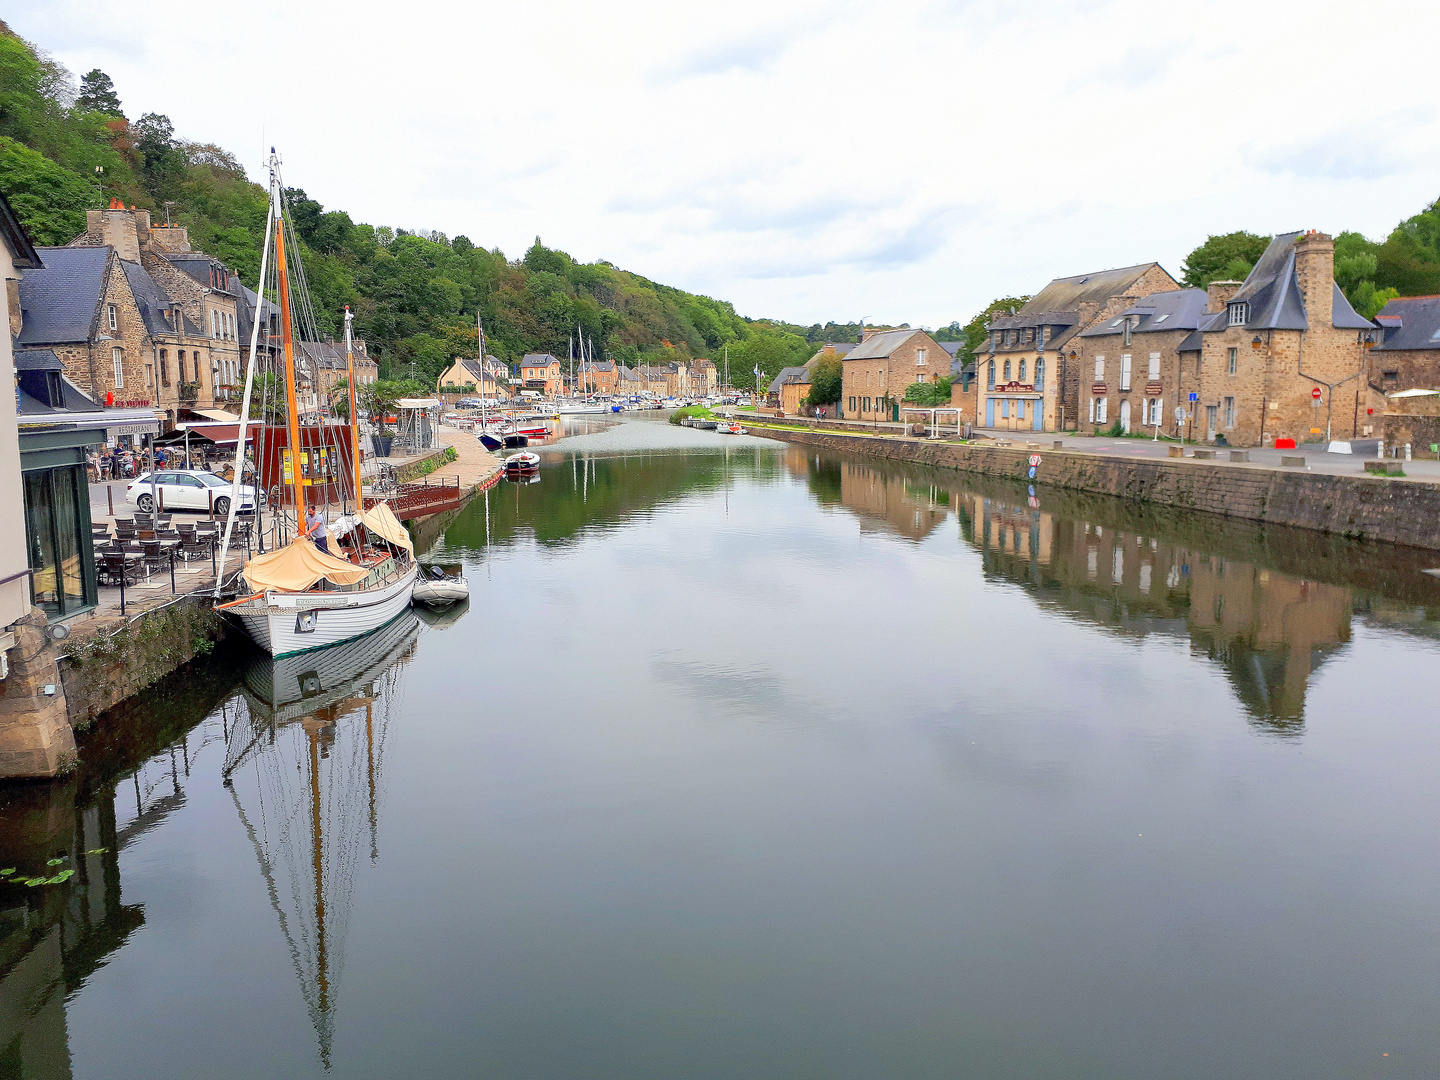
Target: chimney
1219 295
12 296
1315 273
127 231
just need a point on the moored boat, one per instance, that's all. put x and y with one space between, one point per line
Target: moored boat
435 588
522 463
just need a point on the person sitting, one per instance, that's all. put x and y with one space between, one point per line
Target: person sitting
315 529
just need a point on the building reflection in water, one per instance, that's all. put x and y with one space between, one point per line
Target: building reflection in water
1139 573
305 769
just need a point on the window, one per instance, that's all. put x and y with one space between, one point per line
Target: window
117 357
1040 338
180 365
920 357
1390 376
1239 314
149 374
1125 371
990 375
54 391
1099 369
920 376
1020 409
164 369
1160 318
1005 408
1102 410
1229 413
1129 325
114 319
1007 371
1230 360
1154 375
1092 409
852 403
1039 374
1022 371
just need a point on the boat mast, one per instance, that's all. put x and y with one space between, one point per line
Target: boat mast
354 424
292 418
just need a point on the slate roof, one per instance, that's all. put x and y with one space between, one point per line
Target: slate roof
1180 309
1410 322
1272 289
40 360
197 265
22 251
788 375
535 359
59 301
1068 293
153 301
329 354
881 345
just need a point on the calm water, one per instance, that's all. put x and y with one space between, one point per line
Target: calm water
746 761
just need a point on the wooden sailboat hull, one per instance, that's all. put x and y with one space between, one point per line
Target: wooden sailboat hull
286 623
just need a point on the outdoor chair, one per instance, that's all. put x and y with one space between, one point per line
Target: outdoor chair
125 533
192 547
155 559
117 570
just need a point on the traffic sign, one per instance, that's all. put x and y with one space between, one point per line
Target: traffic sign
1179 413
1194 396
1315 393
1034 459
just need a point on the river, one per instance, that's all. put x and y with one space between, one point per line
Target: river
746 760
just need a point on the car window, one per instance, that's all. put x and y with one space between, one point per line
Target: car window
164 478
212 480
188 481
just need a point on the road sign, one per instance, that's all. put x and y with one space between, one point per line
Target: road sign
1194 396
1034 459
1179 413
1315 393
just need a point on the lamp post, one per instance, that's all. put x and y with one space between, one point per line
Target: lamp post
1255 344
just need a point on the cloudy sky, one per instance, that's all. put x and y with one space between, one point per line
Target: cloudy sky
904 161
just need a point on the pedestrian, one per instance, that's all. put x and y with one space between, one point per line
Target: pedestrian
315 529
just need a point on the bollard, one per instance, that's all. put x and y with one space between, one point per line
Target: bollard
110 498
1058 445
1177 451
123 572
1290 461
1239 455
172 572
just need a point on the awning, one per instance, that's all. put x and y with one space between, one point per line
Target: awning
224 434
185 437
298 567
1414 393
418 403
220 416
381 520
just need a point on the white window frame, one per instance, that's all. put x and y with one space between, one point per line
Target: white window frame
1102 410
1154 373
1239 314
117 358
1229 413
1125 371
1231 361
1099 369
113 316
920 357
1093 399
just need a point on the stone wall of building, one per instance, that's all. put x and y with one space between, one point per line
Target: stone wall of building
1177 376
36 739
875 378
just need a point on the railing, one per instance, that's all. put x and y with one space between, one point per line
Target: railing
419 499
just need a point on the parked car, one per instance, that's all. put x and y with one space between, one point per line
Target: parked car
188 489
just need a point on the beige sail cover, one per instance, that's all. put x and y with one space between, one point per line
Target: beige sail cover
381 520
298 567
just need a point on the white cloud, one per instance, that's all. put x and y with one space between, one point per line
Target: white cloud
910 160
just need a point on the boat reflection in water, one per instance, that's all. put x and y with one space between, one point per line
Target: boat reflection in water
442 618
305 773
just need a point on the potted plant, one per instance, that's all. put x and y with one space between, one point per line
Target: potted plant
379 399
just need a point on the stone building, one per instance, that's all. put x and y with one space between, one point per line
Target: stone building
880 368
1142 362
491 381
789 388
1285 332
655 380
542 372
322 364
1025 380
1404 374
597 377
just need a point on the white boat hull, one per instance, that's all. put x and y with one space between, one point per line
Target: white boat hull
286 623
440 593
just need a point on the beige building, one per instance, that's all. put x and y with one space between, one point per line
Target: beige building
491 381
1025 377
1270 343
879 370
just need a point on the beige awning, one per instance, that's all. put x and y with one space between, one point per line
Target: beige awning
299 566
220 416
381 520
1414 393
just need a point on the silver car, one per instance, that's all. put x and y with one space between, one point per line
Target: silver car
188 489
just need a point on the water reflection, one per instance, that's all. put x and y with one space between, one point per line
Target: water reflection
305 769
1230 589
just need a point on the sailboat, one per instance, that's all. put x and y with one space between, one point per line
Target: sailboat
301 597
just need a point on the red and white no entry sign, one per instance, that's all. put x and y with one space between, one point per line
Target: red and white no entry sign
1315 393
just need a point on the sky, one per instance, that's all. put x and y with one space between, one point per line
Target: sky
901 162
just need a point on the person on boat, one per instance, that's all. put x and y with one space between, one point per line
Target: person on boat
315 529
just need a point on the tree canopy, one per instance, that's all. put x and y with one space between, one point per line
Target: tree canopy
1223 258
826 379
97 94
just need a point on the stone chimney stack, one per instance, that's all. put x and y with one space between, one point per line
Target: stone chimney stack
1219 295
1315 271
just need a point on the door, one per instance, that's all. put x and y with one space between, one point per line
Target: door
1039 407
1125 415
990 412
1210 418
188 492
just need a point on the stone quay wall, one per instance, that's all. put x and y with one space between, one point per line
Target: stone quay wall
1396 511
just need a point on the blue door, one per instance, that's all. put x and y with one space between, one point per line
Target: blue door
989 412
1039 407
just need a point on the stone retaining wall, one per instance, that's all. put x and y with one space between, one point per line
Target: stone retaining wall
1363 508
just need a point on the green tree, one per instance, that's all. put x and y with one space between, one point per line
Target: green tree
49 200
929 393
975 334
826 379
1229 257
97 94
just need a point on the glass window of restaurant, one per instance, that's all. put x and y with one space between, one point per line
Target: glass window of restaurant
57 523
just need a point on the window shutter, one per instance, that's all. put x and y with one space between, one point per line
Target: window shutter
1099 369
1154 367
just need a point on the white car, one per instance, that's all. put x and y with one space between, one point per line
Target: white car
187 489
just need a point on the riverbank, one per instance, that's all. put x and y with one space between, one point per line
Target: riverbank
1394 510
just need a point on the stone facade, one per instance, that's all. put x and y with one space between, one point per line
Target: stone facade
878 371
1039 338
36 739
1285 333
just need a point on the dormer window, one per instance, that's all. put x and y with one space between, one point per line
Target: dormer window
53 390
1239 314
